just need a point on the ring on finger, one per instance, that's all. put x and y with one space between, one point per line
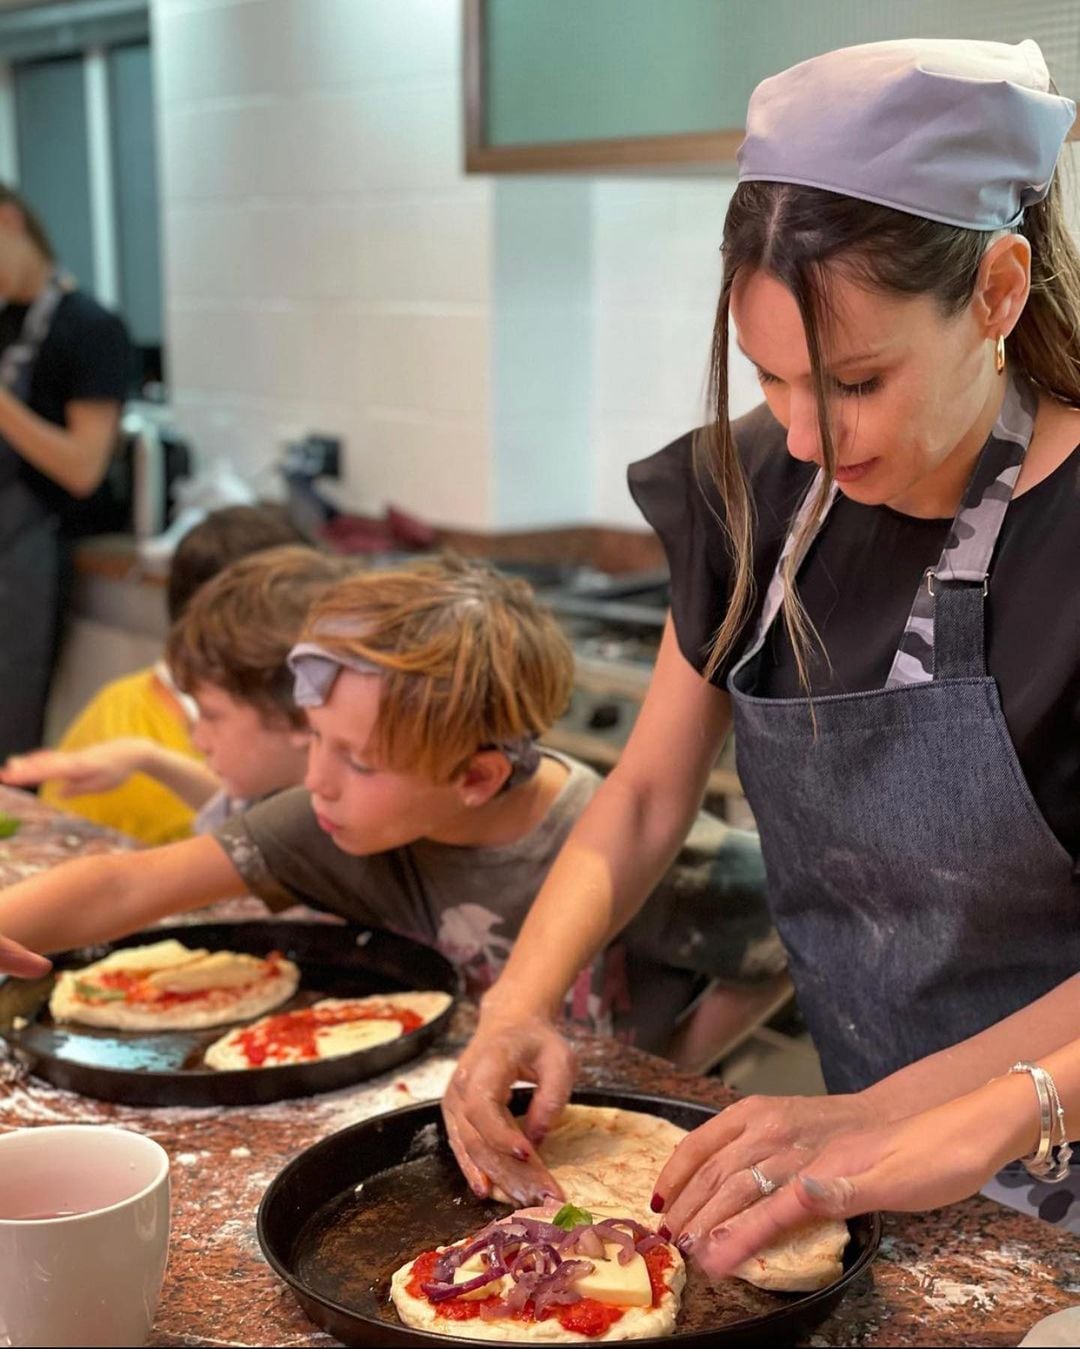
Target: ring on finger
764 1184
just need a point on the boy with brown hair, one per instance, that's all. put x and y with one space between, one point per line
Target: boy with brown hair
429 808
227 651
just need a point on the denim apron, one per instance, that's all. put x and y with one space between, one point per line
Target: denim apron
29 554
918 889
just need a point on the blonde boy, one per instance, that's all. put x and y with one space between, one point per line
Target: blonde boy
428 807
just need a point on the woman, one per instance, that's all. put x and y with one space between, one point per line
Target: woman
63 376
915 774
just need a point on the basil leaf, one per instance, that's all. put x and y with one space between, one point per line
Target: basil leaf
9 824
95 993
569 1217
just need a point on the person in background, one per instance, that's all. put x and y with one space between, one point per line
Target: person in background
64 368
146 705
428 807
227 652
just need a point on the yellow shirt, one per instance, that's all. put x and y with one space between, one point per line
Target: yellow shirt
137 704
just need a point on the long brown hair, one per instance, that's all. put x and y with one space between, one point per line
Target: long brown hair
802 236
32 221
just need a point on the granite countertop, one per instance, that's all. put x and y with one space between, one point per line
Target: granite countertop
972 1274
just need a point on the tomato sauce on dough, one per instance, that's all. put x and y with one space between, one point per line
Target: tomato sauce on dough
587 1317
292 1035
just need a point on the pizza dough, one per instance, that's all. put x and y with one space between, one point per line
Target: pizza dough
611 1158
168 986
325 1030
633 1323
607 1157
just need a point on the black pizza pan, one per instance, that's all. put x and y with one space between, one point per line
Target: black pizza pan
354 1207
166 1068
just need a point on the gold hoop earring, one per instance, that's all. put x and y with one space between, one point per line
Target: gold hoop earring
999 353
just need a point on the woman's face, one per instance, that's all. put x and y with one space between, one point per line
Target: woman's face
909 388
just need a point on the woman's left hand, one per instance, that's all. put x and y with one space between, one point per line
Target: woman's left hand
930 1159
708 1177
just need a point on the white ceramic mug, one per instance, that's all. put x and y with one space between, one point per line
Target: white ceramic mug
84 1235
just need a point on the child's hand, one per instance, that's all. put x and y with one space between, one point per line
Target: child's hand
97 769
17 960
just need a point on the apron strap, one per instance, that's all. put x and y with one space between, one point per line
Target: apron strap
19 357
959 646
969 549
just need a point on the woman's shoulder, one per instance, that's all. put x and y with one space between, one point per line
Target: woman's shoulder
675 482
80 315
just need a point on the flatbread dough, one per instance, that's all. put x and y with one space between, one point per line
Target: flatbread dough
168 986
298 1036
635 1323
605 1157
608 1158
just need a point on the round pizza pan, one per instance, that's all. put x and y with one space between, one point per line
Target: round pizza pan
166 1068
354 1207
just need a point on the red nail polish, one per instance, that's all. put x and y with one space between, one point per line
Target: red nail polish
664 1231
656 1203
684 1243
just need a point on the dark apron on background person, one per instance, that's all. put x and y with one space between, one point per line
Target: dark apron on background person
918 889
29 554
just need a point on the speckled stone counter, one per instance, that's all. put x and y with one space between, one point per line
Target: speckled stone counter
972 1274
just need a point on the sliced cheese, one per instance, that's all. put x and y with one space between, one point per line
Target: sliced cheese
160 955
469 1269
223 969
351 1036
618 1285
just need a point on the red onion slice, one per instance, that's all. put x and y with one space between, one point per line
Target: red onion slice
624 1239
441 1292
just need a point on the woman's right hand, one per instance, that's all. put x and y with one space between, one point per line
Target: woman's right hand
18 961
488 1142
99 768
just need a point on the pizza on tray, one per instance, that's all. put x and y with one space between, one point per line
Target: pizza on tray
546 1276
325 1030
168 986
606 1156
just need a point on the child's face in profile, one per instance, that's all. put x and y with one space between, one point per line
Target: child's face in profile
251 756
366 808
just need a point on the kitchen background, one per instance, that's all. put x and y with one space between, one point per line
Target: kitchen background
274 194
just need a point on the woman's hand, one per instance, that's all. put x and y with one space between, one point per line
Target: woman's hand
708 1177
23 964
488 1141
97 769
923 1162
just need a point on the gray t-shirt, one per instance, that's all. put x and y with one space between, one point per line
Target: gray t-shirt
707 919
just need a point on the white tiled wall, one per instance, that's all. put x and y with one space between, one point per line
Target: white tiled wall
327 261
494 351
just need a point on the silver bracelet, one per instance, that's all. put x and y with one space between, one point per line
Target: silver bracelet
1050 1160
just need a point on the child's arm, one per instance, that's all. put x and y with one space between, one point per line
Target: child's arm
100 768
94 899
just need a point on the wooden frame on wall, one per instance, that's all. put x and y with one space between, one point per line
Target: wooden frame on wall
691 148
